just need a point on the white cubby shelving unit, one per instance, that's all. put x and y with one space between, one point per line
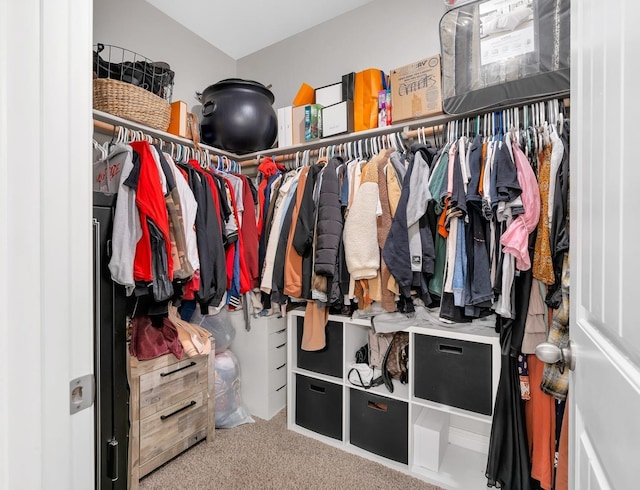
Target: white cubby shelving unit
463 464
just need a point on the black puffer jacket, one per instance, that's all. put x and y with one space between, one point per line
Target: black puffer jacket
329 228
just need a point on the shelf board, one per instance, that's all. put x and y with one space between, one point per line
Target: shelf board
452 410
364 322
248 159
314 375
398 127
400 391
460 468
343 138
156 133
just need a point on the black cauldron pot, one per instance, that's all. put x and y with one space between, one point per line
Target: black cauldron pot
237 116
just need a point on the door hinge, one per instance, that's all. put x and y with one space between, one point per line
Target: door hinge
81 393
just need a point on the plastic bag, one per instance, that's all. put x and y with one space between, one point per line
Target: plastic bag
368 83
218 325
230 411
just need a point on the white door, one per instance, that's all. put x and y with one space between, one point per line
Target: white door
46 312
605 242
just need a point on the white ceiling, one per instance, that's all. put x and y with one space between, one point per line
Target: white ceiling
241 27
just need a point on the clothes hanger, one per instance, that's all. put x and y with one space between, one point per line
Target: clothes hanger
393 141
561 115
98 147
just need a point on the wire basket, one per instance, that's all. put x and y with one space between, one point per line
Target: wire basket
131 86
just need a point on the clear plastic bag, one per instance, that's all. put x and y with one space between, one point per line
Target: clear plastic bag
218 325
230 411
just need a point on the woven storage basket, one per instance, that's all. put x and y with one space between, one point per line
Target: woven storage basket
131 102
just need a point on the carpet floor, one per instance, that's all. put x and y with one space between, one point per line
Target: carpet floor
265 455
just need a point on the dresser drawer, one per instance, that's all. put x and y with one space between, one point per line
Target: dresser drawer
277 400
277 357
168 385
277 378
163 430
278 337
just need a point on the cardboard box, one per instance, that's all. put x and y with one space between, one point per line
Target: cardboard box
179 122
431 437
285 132
337 118
329 94
416 89
297 125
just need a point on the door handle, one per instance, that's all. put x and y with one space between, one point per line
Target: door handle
551 354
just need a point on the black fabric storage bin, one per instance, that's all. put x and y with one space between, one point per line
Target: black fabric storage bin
319 406
379 425
453 372
328 360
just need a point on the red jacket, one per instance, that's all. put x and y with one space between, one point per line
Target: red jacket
151 206
249 233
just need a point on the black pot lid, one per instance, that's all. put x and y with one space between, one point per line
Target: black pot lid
229 83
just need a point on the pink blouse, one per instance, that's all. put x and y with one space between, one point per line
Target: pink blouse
515 240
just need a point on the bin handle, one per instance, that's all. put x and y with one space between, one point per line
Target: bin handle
377 406
317 389
450 349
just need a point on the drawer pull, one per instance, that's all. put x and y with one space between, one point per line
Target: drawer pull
281 346
280 331
317 389
377 406
192 363
450 349
280 367
191 404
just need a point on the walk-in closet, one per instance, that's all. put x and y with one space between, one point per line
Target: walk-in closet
406 260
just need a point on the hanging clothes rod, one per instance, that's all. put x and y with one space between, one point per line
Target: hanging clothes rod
109 124
179 148
340 147
430 131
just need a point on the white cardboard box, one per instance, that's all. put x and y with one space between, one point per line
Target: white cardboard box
297 125
430 438
337 118
284 126
329 94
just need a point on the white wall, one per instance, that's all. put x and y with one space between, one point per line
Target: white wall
381 34
138 26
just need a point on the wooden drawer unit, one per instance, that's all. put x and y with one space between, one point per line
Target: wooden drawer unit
171 409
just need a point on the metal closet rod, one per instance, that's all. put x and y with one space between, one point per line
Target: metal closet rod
428 127
424 131
112 129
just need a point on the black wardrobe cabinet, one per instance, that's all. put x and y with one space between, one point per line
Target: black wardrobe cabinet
112 390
